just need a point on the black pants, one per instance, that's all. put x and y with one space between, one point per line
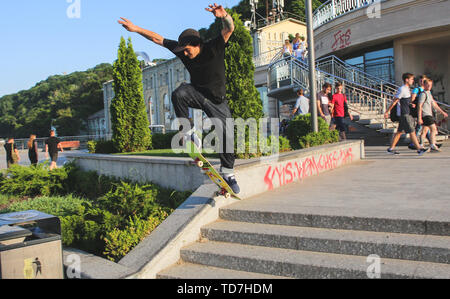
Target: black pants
186 96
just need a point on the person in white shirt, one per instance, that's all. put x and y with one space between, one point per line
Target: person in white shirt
302 105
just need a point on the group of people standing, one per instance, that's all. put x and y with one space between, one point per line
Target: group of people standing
52 145
333 108
297 48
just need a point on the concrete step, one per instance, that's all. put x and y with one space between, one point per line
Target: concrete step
193 271
304 264
434 249
339 219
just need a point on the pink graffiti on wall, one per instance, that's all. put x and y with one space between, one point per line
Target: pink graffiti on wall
342 40
298 170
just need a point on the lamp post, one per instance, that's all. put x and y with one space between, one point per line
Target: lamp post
312 66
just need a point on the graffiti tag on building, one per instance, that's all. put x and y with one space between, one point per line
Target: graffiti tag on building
298 170
341 40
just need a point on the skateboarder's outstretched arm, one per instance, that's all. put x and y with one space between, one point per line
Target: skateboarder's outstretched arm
228 23
154 37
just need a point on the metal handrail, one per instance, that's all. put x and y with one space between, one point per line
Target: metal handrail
363 77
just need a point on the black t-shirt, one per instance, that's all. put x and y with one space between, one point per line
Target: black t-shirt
207 70
52 143
9 148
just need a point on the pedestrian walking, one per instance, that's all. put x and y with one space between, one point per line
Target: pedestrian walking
323 103
406 121
338 105
33 150
12 154
426 119
52 145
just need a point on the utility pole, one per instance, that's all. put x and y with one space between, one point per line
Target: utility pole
312 66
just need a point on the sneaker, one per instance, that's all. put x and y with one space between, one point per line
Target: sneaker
231 181
423 151
435 149
392 152
412 147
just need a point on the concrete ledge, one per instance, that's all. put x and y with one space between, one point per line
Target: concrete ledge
184 176
256 177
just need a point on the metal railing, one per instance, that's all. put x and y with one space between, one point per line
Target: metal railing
334 65
21 144
292 72
332 9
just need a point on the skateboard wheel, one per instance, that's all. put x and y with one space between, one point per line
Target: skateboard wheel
227 195
200 164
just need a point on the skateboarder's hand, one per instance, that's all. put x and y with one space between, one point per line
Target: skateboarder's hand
128 25
217 10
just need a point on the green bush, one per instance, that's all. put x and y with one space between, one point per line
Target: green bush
58 206
87 184
285 145
119 242
162 141
101 147
116 216
33 181
300 135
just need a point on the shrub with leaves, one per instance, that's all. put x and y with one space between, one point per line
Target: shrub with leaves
300 135
33 181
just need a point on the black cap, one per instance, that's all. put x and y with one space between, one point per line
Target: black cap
188 37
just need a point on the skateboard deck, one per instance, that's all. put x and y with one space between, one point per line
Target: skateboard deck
208 169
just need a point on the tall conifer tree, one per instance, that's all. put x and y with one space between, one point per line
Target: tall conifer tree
129 121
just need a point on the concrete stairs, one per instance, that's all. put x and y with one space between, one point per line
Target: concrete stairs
259 244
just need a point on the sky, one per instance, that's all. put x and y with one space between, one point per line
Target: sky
41 38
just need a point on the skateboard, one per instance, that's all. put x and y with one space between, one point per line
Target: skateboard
201 162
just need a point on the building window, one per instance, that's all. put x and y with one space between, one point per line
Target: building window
378 63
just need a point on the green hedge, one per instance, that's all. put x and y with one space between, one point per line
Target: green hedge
300 135
101 215
101 147
162 141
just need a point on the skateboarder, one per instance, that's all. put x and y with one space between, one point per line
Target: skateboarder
205 62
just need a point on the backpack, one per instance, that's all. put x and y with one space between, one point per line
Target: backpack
394 117
414 110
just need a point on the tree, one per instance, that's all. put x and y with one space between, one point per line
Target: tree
129 121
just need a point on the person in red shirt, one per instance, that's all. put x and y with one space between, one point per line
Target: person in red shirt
338 105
